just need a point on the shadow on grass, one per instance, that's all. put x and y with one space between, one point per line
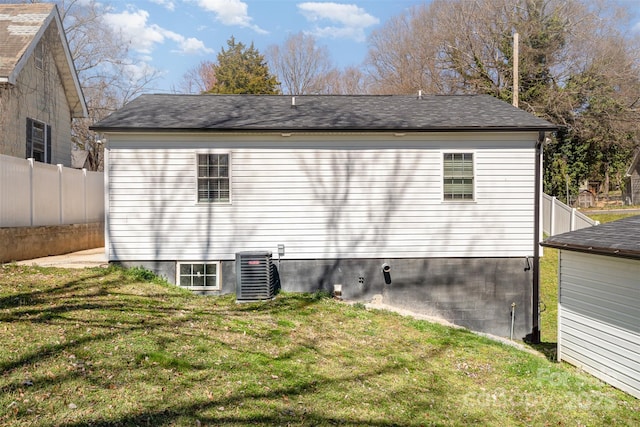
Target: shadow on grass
160 339
203 412
548 349
38 296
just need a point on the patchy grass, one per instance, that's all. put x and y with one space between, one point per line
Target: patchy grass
109 348
549 296
609 216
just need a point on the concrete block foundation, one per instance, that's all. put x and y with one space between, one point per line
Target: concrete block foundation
477 293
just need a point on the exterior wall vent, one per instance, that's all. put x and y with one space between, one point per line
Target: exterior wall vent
255 278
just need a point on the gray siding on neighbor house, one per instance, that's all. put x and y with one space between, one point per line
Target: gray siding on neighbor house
599 317
39 95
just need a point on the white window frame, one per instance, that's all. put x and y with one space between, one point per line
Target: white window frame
443 153
218 276
229 177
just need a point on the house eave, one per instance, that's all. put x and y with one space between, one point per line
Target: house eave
71 82
116 129
619 253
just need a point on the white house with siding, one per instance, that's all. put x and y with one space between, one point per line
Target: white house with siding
444 190
599 301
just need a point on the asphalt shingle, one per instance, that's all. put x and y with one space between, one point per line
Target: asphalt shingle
319 112
19 24
618 238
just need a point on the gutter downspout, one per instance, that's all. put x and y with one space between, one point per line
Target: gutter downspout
534 336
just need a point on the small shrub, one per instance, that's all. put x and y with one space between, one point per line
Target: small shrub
140 274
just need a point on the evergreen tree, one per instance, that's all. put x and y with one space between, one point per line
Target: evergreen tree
242 70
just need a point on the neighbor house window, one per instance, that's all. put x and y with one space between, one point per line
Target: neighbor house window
38 141
213 178
38 56
458 176
199 275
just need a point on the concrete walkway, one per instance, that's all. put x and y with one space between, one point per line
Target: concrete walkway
82 259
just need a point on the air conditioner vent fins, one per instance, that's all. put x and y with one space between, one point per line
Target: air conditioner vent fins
255 276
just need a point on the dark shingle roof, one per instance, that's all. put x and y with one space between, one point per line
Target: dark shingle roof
618 238
320 113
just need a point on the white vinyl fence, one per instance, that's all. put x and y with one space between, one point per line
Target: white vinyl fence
559 218
39 194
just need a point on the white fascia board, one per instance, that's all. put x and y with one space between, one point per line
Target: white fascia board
71 68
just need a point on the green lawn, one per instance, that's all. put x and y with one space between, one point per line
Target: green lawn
104 347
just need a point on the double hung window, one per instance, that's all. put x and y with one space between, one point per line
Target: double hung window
458 176
213 178
38 141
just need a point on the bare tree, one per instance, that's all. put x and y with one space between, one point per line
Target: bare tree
403 54
577 68
350 81
108 72
300 64
198 79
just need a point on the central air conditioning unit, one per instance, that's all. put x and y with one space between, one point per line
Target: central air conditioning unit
255 276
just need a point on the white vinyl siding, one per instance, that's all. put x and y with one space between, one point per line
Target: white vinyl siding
367 197
598 317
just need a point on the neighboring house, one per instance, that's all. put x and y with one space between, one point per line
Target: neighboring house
444 190
632 181
39 89
599 301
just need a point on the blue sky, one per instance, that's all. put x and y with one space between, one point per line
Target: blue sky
173 36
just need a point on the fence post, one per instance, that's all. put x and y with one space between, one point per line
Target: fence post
61 194
552 225
31 195
84 192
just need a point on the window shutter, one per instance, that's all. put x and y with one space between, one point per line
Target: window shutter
29 144
48 144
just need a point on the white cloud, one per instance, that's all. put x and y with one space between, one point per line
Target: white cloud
345 20
231 12
134 28
194 46
168 4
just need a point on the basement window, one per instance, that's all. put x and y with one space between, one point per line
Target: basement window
213 178
458 176
203 276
